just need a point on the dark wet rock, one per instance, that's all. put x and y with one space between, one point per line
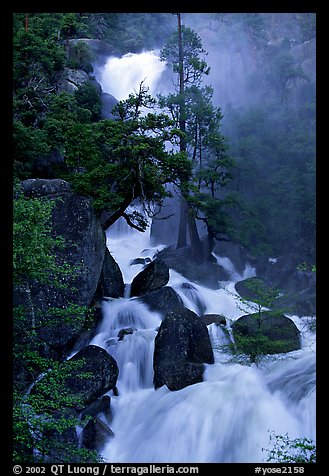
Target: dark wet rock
125 331
73 219
208 273
182 346
95 434
101 405
111 282
153 277
163 300
217 319
102 370
143 261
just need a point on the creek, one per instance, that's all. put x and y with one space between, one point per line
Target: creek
234 413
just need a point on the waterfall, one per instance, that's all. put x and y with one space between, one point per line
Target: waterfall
230 416
122 76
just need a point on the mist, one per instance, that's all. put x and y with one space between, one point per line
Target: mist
123 76
262 71
246 52
240 48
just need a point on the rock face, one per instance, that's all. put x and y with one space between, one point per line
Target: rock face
72 79
182 346
73 219
103 373
95 373
108 103
111 281
43 187
153 277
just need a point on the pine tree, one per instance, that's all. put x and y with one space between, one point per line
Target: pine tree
201 140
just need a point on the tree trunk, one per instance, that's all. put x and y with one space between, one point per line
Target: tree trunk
181 242
196 245
182 118
186 218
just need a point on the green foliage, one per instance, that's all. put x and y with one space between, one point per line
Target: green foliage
34 245
72 314
258 344
43 425
306 267
69 25
274 147
36 62
261 295
120 161
287 450
125 159
258 297
80 57
194 66
114 162
29 144
88 97
34 58
199 122
42 420
40 424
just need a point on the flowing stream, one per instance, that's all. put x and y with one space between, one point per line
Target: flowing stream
232 415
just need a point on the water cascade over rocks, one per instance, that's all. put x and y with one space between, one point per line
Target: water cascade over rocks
230 410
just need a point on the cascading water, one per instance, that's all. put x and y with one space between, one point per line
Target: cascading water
230 416
122 76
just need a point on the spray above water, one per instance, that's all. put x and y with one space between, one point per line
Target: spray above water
123 76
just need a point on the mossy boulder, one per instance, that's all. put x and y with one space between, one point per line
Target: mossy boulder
265 333
182 347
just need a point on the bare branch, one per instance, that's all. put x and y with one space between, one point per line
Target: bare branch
131 223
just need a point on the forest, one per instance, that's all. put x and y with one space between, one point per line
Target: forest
281 152
240 159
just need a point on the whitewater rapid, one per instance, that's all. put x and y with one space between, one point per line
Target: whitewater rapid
231 415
